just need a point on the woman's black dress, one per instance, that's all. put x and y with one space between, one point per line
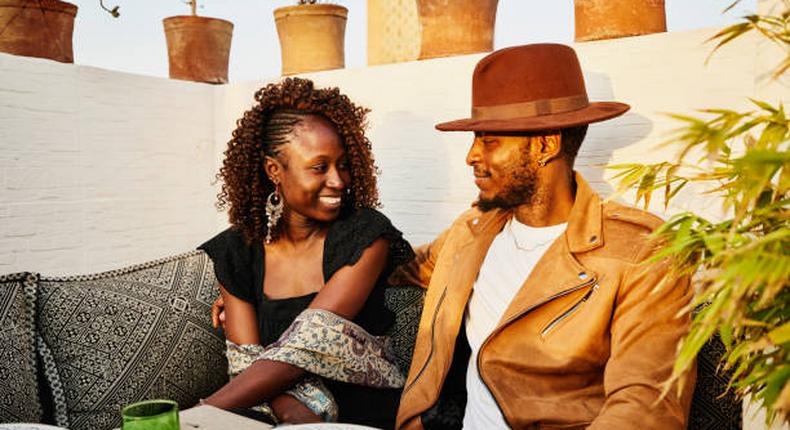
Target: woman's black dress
240 269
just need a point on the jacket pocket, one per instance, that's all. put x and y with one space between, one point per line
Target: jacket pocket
568 312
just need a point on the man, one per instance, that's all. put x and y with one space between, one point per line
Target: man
538 313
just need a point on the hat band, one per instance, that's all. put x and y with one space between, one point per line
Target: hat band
533 108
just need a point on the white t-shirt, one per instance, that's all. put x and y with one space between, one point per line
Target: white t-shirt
510 259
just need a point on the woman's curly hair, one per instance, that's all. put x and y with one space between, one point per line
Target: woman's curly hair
261 131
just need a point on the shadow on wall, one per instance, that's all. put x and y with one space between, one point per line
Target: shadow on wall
604 138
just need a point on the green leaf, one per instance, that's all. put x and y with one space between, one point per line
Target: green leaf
725 332
727 9
774 384
780 334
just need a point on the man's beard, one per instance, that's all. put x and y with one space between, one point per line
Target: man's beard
520 190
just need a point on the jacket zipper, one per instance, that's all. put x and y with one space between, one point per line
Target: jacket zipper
592 281
430 354
568 312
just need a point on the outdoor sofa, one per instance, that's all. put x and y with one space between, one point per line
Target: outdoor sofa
74 350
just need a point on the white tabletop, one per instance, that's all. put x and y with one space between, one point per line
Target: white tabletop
28 426
210 418
325 426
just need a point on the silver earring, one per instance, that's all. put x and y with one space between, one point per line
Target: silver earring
542 163
274 210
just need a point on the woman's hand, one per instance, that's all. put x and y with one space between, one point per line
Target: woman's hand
218 313
292 411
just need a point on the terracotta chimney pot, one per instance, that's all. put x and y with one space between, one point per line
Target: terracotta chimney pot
312 37
610 19
198 48
37 28
456 27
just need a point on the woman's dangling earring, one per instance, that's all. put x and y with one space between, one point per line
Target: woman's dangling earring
274 210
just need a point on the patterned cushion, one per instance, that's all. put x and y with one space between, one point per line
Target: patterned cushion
713 407
141 332
406 303
19 400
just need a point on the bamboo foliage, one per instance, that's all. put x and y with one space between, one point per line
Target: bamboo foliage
739 263
772 27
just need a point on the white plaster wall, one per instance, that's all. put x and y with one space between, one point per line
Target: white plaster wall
99 169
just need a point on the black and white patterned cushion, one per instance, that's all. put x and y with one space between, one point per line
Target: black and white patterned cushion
142 332
406 303
714 406
19 395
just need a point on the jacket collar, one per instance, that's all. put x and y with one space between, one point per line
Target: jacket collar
585 222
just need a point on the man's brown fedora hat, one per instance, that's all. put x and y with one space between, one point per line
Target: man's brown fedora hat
531 88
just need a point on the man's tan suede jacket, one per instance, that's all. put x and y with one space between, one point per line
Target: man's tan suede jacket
586 342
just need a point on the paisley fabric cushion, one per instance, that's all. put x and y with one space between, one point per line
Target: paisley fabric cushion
117 337
19 395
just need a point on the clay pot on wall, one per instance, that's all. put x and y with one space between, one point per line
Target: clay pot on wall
312 37
456 27
610 19
393 31
37 28
198 48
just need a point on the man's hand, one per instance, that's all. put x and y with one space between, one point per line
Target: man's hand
291 411
218 313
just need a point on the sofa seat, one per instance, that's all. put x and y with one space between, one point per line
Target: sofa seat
74 350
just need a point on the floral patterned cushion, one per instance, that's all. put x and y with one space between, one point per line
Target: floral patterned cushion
117 337
19 395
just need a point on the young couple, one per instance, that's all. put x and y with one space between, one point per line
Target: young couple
538 313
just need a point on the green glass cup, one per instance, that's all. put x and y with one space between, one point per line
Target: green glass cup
151 415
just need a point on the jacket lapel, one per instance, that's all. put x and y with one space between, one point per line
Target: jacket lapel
469 257
558 271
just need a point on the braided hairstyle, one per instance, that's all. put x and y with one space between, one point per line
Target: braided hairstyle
266 127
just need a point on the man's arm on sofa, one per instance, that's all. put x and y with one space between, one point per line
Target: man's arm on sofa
418 271
649 320
218 312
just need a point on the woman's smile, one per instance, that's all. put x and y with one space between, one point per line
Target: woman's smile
331 201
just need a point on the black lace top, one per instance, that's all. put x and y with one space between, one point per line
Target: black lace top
240 269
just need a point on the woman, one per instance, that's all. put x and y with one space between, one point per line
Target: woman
306 253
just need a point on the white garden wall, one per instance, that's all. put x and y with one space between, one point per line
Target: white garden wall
101 169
